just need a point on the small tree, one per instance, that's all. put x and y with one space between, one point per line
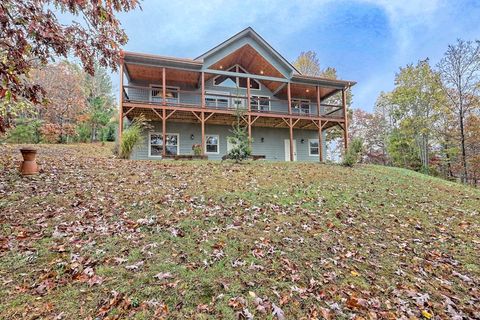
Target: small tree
241 143
353 153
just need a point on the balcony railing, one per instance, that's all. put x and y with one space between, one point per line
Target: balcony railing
222 101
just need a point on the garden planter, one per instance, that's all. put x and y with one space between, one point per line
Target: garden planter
29 165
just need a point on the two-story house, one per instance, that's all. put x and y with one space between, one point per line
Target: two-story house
194 101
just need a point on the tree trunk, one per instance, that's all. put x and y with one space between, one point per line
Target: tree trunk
462 139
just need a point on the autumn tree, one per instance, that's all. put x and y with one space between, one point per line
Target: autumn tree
371 129
65 96
32 36
418 97
460 72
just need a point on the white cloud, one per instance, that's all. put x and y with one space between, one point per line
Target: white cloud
410 20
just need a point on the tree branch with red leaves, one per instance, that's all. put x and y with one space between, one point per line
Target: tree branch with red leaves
31 36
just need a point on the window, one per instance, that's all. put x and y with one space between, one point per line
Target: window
260 103
301 106
234 82
156 144
211 143
220 99
216 99
171 94
313 148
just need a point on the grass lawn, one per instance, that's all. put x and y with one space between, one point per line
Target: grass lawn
96 237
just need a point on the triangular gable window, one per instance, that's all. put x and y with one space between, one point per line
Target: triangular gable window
234 82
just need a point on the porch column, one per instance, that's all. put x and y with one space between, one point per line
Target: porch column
248 95
291 139
320 141
345 123
203 89
164 86
318 101
164 132
120 113
290 124
289 95
164 113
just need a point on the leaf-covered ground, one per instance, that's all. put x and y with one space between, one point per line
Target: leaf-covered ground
96 237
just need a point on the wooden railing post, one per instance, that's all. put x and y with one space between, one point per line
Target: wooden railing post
164 86
289 95
120 113
345 123
318 101
248 95
203 89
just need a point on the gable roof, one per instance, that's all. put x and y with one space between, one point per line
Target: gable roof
249 32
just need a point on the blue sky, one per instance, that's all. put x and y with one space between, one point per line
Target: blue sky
365 40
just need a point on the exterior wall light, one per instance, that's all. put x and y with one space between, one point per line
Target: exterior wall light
302 141
192 136
262 139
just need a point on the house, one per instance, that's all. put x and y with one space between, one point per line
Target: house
195 101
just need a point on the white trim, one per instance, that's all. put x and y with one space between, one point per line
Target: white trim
287 149
159 86
237 79
159 133
215 95
218 143
262 96
310 149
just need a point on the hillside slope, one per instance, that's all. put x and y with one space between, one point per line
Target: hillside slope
93 236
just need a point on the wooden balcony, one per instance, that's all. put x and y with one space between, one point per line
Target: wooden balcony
138 96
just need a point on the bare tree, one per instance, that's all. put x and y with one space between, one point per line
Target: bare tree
460 72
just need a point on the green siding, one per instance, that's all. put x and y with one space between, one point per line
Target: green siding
273 146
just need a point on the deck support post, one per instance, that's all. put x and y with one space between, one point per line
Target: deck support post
164 133
289 95
164 86
203 90
203 132
164 113
320 141
291 139
120 113
290 125
318 101
345 115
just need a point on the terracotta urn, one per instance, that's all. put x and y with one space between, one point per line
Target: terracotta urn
29 165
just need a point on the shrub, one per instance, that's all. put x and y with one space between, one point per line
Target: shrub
197 149
130 137
353 153
108 132
25 131
50 132
83 132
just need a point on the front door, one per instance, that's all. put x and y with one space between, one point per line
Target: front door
287 150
